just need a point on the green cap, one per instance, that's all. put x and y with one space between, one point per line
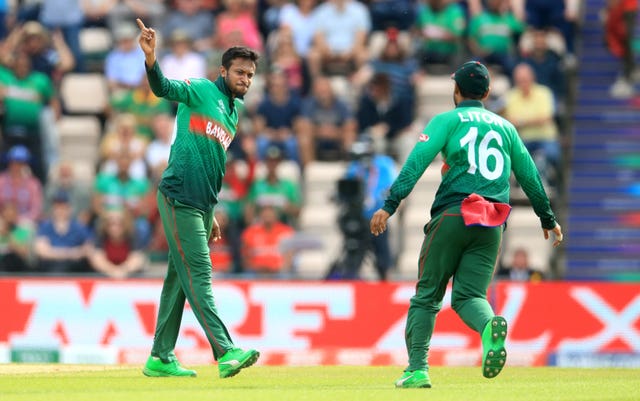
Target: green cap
472 78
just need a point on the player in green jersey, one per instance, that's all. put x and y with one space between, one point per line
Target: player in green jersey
207 118
462 239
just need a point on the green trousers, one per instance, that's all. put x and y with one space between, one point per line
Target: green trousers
188 277
451 249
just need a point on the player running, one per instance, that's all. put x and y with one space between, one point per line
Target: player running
207 118
468 216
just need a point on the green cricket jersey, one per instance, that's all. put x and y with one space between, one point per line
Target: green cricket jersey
481 149
25 98
206 123
494 32
451 19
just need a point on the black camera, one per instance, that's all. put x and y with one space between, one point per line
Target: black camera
354 228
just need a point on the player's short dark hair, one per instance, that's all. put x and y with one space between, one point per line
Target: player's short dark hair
235 52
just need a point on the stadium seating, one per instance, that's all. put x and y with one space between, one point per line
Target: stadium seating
84 93
79 137
95 43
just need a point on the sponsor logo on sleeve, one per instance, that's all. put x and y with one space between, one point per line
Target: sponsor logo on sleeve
423 138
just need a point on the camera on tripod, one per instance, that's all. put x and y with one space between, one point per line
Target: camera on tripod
351 221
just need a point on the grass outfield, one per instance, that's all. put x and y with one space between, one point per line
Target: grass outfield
326 383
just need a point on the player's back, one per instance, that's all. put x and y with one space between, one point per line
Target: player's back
478 153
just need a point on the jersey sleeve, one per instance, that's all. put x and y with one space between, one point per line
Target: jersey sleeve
430 143
175 90
528 177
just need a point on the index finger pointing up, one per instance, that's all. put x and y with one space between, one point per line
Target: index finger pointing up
140 24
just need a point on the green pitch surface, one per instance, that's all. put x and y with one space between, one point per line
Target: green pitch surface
327 383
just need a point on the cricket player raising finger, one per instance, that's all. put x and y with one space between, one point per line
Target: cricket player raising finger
207 118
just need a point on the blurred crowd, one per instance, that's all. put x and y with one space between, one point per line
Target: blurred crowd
332 73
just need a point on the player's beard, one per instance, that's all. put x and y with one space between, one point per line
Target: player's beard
233 88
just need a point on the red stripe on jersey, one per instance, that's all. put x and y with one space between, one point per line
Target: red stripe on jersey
198 125
211 129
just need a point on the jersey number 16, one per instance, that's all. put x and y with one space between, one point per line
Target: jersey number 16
484 153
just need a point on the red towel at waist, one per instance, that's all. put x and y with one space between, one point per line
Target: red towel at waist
477 211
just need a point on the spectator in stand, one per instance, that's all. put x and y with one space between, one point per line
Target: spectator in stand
327 126
395 61
97 12
440 27
262 244
237 26
493 34
157 153
143 105
285 58
277 117
298 17
19 187
341 29
62 243
268 12
283 194
48 51
182 61
190 16
620 19
118 252
64 179
133 195
16 237
529 106
68 17
385 117
25 94
546 64
519 269
124 64
385 14
560 15
152 11
123 137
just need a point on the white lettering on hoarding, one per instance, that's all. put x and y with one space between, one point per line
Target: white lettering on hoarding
61 316
283 322
516 294
616 325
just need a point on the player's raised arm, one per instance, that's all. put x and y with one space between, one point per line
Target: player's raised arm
147 42
174 90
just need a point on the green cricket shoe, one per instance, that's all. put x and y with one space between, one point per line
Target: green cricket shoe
415 379
235 360
494 355
156 368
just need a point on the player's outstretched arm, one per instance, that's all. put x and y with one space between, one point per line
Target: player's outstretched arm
557 231
147 42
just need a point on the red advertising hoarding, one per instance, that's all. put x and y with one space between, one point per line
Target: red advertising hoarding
319 322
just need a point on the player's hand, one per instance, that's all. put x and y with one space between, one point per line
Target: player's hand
147 38
216 233
557 231
379 222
